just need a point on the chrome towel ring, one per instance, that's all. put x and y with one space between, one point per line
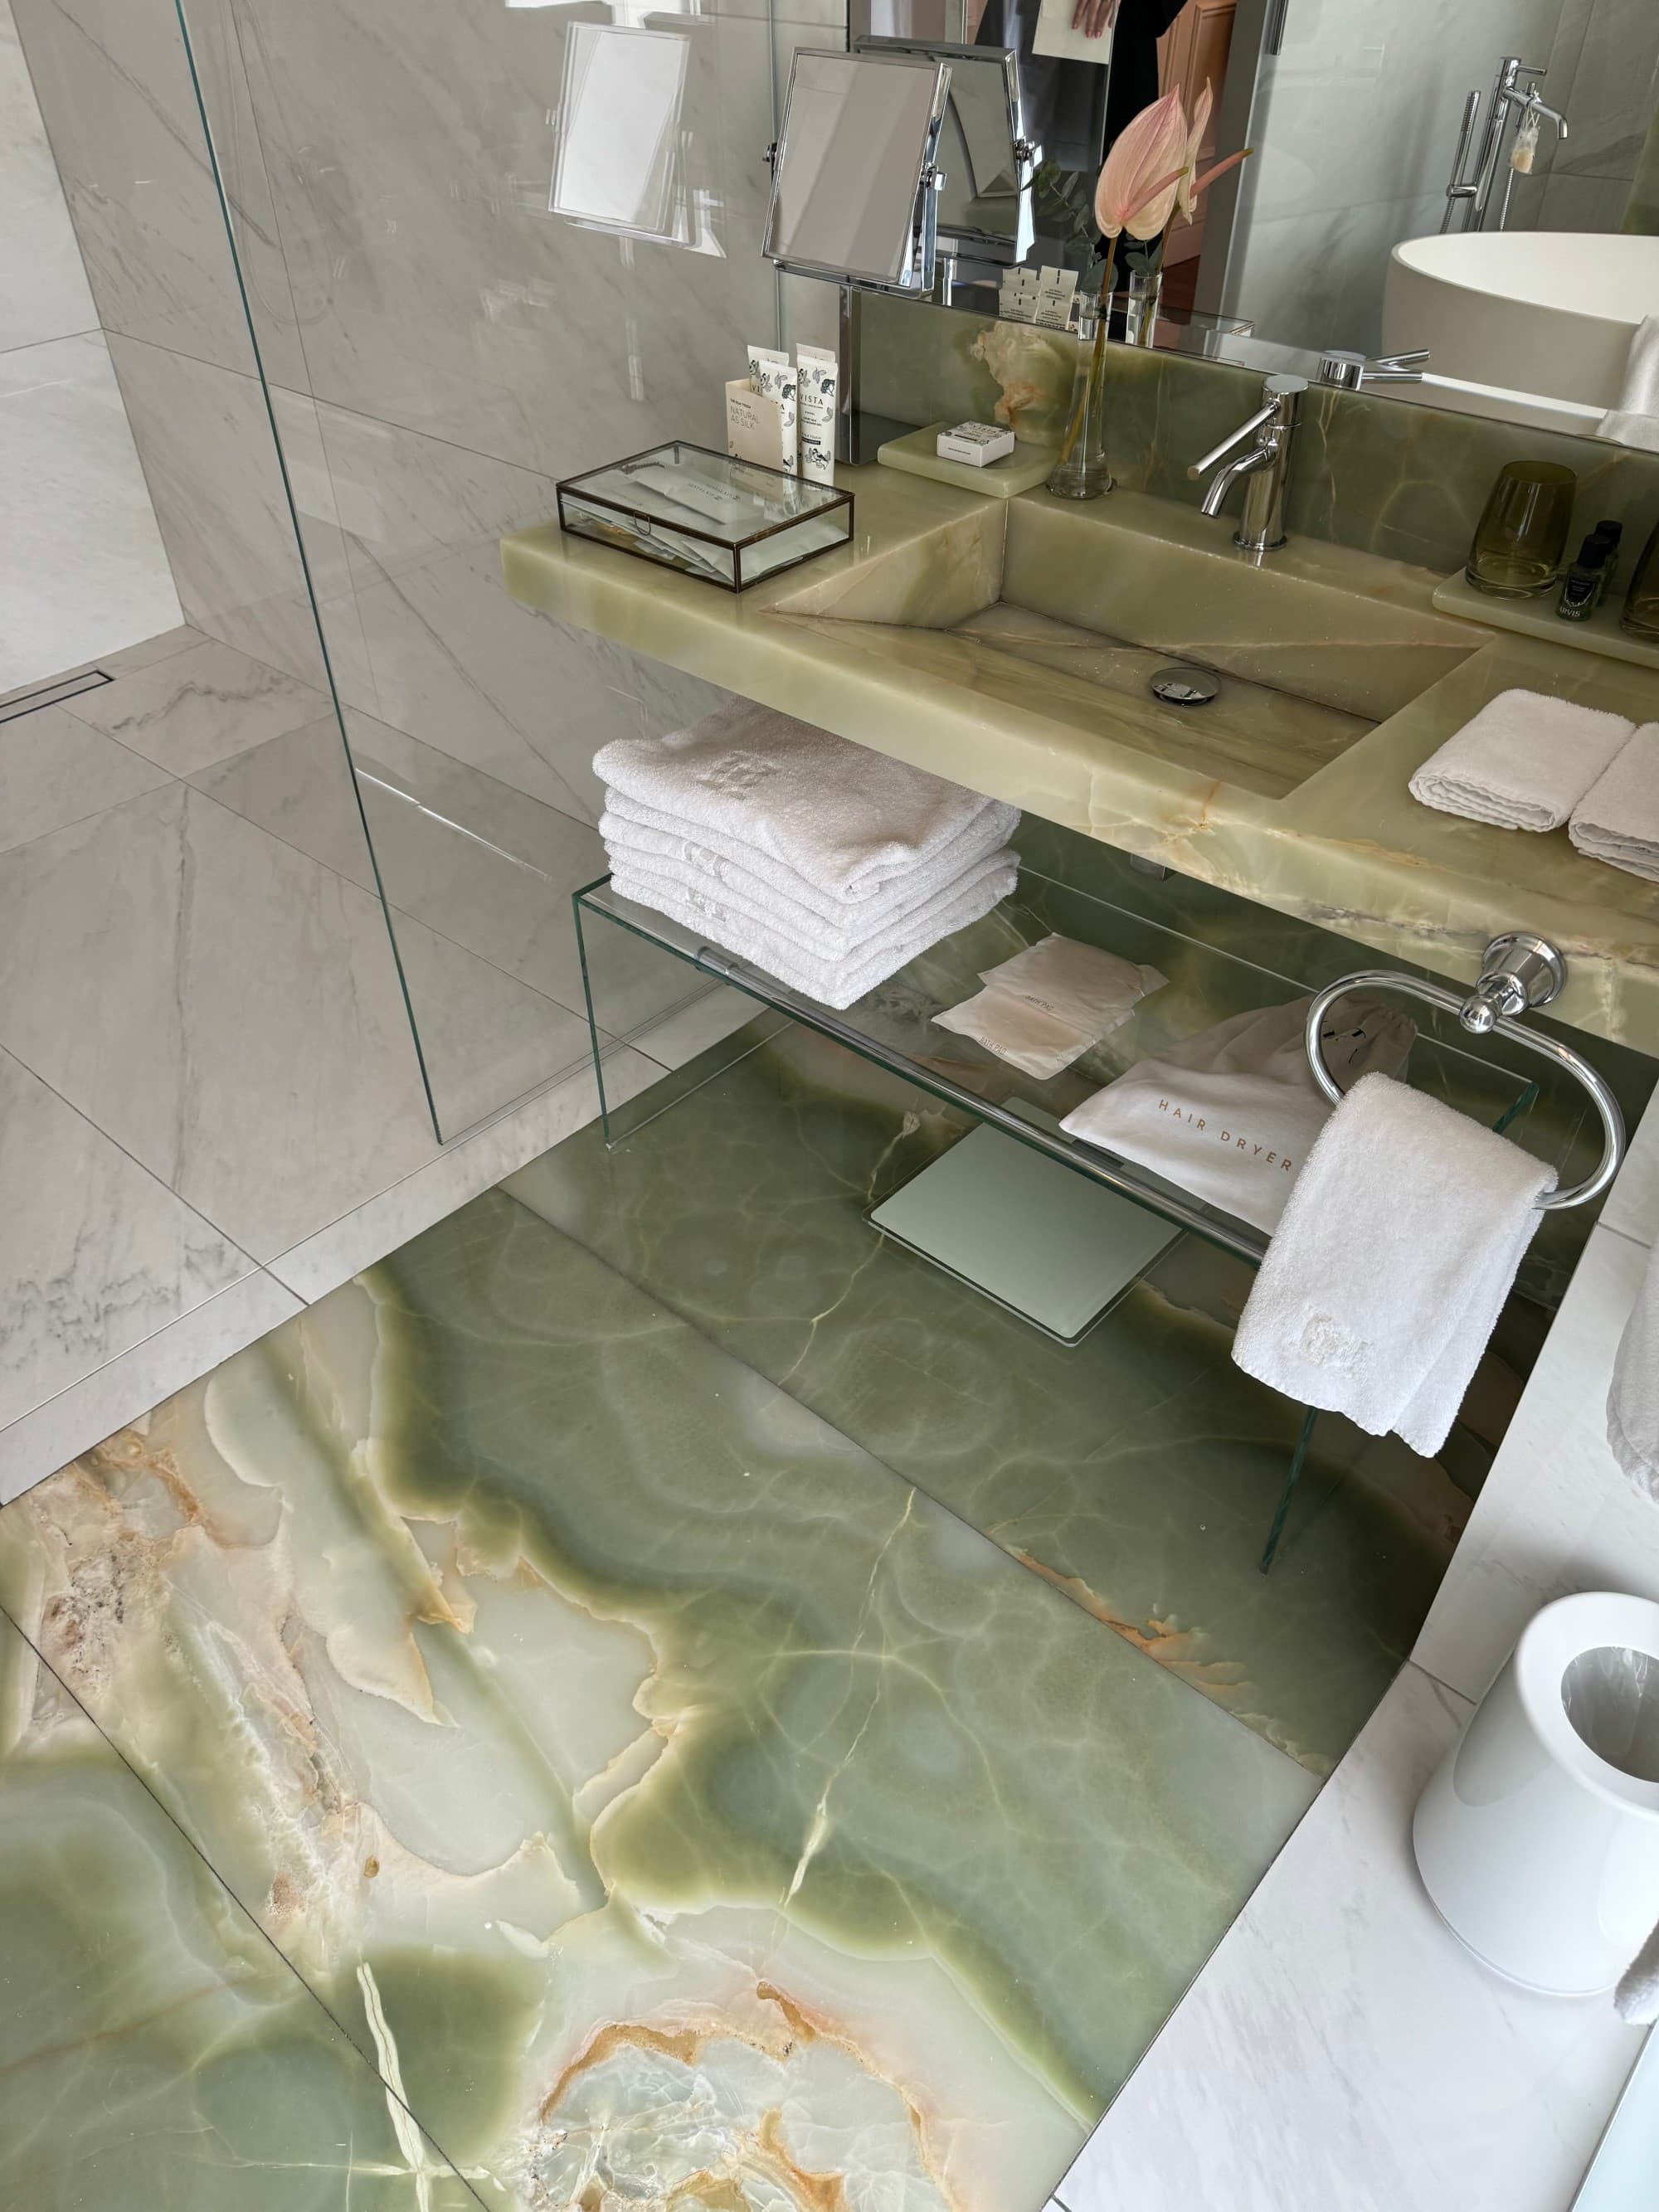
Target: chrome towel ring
1520 972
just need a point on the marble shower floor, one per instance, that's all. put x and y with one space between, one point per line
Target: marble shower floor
673 1803
211 1109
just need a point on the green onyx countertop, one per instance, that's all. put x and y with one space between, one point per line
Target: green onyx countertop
1008 644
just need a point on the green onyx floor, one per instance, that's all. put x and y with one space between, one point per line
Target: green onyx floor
651 1699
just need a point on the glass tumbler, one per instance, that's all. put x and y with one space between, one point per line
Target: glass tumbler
1641 615
1522 538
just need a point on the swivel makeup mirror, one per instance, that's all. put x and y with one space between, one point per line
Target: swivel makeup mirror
987 160
854 173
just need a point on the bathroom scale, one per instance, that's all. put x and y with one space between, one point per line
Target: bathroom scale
1036 1237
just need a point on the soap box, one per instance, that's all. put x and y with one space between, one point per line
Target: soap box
976 443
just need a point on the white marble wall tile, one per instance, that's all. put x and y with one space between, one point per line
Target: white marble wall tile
461 306
197 707
204 433
450 658
476 1163
1610 102
99 1253
43 287
115 88
227 1010
54 771
54 1433
483 865
82 568
1341 2049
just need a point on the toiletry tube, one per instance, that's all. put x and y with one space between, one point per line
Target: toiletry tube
754 424
819 379
772 375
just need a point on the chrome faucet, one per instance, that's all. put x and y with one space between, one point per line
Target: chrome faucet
1266 467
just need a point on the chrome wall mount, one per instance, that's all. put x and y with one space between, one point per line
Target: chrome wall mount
1519 973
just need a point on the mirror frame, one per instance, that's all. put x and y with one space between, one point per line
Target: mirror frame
916 280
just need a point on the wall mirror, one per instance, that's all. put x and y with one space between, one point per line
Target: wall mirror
1480 180
855 171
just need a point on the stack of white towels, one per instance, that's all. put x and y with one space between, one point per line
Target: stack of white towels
1528 762
825 864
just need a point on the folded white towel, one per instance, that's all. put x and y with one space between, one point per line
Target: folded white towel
833 984
837 814
878 923
723 861
1617 820
1633 1399
1635 420
1522 763
1390 1266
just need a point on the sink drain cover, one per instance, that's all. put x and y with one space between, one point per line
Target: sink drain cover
1183 687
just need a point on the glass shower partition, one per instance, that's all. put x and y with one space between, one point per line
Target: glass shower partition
480 249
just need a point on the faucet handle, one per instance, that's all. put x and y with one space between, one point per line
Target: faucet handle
1279 397
1350 372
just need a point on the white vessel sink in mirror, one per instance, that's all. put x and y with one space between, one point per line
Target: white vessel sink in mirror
1547 311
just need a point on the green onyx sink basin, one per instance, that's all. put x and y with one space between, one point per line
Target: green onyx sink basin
1070 611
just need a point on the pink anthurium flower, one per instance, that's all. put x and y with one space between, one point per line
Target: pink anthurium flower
1143 172
1150 175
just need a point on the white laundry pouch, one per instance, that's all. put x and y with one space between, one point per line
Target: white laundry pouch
1231 1114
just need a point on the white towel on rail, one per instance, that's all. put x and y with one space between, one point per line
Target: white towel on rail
841 816
1385 1275
1522 763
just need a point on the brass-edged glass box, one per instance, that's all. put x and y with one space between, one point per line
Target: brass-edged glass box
731 522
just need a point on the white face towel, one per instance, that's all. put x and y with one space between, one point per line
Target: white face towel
830 985
723 861
1617 820
1522 763
1633 1399
1390 1266
1635 420
878 924
837 814
1051 1002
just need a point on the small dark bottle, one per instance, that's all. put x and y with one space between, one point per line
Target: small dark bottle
1584 580
1611 532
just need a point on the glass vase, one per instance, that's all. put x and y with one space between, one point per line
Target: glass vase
1081 472
1142 293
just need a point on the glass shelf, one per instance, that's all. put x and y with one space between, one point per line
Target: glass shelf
892 1027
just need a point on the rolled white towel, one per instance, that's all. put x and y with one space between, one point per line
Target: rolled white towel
832 984
1522 763
878 921
1387 1271
1617 820
1635 420
839 816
